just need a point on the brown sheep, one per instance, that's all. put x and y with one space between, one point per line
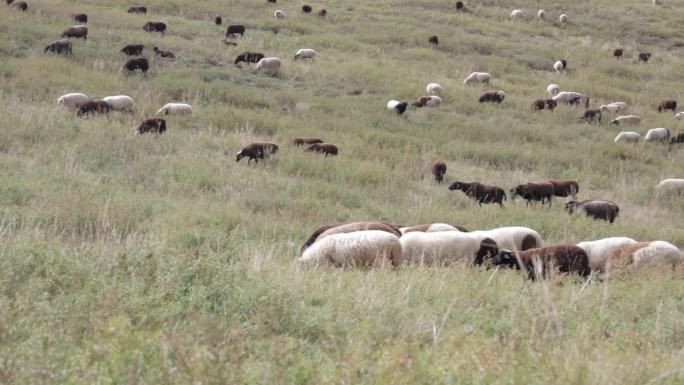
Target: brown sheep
480 192
133 49
93 107
644 56
325 231
560 258
679 138
564 187
651 253
667 105
541 104
324 148
493 96
165 54
257 151
137 10
299 141
218 20
439 168
76 31
322 12
433 40
617 53
459 5
591 116
62 46
137 64
306 8
152 26
152 125
80 18
534 191
233 30
597 209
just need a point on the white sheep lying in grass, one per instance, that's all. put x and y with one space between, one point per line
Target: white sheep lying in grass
480 77
305 53
657 135
360 248
73 100
443 248
516 14
563 18
119 102
654 253
175 109
269 65
600 249
553 90
671 184
514 238
626 119
434 89
627 137
614 107
279 14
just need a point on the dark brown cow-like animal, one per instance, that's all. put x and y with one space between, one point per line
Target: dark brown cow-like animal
560 258
218 20
644 56
137 10
256 151
133 49
492 97
480 192
667 105
433 40
137 64
541 104
564 187
617 53
534 191
324 148
606 210
439 168
80 18
233 30
93 107
62 46
299 141
325 231
152 125
155 26
249 57
76 31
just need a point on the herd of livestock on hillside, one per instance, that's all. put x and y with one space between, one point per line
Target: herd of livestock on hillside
438 244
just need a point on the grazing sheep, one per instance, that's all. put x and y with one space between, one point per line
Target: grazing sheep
541 15
480 77
541 104
657 135
165 54
432 228
618 53
155 26
552 90
559 259
597 209
667 105
257 151
560 65
676 185
137 10
175 109
396 106
591 116
459 5
299 141
370 248
325 231
152 125
137 64
306 8
428 101
627 137
305 53
433 40
322 12
269 65
218 20
492 97
480 192
642 254
439 168
133 49
62 46
21 5
679 115
614 107
564 187
249 57
442 248
599 250
80 18
644 57
534 191
324 148
679 138
119 102
236 29
516 14
92 107
563 18
279 14
626 119
77 31
513 237
73 101
434 89
571 98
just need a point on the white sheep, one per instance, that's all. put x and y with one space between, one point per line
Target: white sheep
175 109
516 14
119 102
671 184
559 66
481 77
431 228
397 106
443 248
679 115
360 248
279 14
651 253
305 53
563 18
657 135
614 107
432 101
567 96
513 238
73 100
627 137
269 65
626 119
553 90
541 14
600 249
434 89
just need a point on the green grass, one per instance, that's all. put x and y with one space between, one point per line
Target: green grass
159 260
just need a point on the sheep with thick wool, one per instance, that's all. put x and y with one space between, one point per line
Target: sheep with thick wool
368 248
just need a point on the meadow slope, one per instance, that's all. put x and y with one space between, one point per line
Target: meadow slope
145 259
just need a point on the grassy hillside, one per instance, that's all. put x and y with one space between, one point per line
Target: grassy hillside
145 259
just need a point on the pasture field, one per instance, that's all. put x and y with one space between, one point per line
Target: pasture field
157 259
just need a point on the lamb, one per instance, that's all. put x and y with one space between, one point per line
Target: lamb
305 53
92 107
133 49
571 97
560 65
564 187
152 26
676 185
627 137
62 46
541 104
137 10
439 168
306 140
306 9
434 89
322 12
657 135
597 209
80 18
541 261
614 107
492 96
563 18
249 57
433 40
76 31
644 57
513 238
654 253
599 250
152 125
480 192
119 102
667 105
433 227
279 14
428 101
396 106
73 100
552 90
165 54
480 77
325 231
590 116
370 248
679 138
541 14
618 53
257 151
516 14
534 191
626 119
175 109
324 148
443 248
269 65
235 29
137 64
